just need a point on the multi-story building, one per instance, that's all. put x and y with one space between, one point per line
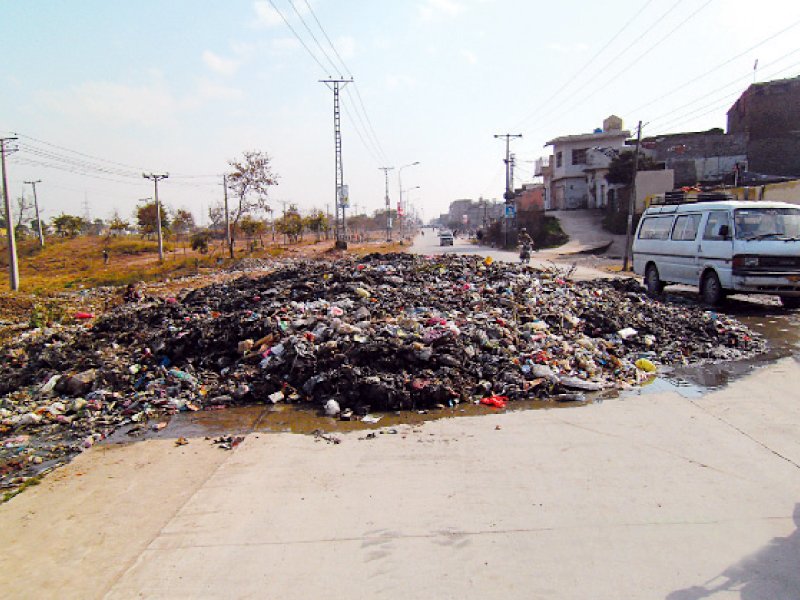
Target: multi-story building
576 155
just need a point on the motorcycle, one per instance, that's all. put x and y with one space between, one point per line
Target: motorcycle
525 254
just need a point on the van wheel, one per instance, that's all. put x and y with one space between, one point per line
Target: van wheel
711 290
652 281
790 302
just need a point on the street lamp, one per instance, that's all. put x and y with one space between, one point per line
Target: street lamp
400 187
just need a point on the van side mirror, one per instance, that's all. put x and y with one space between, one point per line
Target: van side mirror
725 232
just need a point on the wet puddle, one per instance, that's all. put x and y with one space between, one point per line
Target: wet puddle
777 326
780 328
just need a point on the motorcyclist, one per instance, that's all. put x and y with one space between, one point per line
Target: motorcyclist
526 244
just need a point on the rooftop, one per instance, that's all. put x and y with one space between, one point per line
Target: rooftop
590 137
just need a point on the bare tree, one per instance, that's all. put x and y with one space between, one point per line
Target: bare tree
24 208
249 181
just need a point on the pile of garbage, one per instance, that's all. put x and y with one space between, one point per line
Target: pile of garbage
380 333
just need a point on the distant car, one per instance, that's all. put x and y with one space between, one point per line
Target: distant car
445 238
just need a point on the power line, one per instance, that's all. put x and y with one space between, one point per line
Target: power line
625 69
727 98
732 83
586 64
313 37
716 68
296 35
366 121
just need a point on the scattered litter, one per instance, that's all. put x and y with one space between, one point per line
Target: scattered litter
370 419
228 442
321 435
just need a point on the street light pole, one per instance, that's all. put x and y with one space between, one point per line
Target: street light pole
400 202
388 206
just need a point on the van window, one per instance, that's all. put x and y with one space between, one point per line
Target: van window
767 223
655 228
716 219
685 228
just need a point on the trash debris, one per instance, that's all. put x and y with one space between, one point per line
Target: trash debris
353 337
181 441
228 442
370 419
495 401
645 365
327 437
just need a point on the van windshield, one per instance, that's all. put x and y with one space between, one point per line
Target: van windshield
767 223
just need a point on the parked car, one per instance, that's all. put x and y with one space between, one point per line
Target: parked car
445 237
721 247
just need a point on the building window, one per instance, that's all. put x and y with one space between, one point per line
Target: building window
559 158
579 157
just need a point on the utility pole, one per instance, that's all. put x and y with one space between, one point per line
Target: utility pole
227 216
13 267
388 206
632 199
36 208
156 177
341 189
509 194
400 209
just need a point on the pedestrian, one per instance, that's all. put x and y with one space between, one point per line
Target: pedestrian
105 257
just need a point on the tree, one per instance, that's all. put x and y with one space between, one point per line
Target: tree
620 169
183 221
24 207
34 225
117 225
249 181
290 224
200 241
216 215
317 222
67 225
147 220
252 227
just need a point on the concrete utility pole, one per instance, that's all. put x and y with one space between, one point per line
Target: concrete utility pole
156 177
632 200
509 194
341 193
400 209
388 206
36 208
227 216
13 267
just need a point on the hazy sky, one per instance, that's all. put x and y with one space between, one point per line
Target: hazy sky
183 86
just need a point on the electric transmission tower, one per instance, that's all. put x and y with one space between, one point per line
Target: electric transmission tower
342 199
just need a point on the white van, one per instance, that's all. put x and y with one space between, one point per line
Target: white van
720 247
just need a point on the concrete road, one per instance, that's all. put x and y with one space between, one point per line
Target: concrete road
428 244
651 496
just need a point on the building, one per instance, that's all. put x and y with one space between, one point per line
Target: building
768 115
530 197
701 157
472 214
576 155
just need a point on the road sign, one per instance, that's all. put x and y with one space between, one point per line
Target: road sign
511 211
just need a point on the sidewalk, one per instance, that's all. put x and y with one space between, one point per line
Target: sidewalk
586 233
651 496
